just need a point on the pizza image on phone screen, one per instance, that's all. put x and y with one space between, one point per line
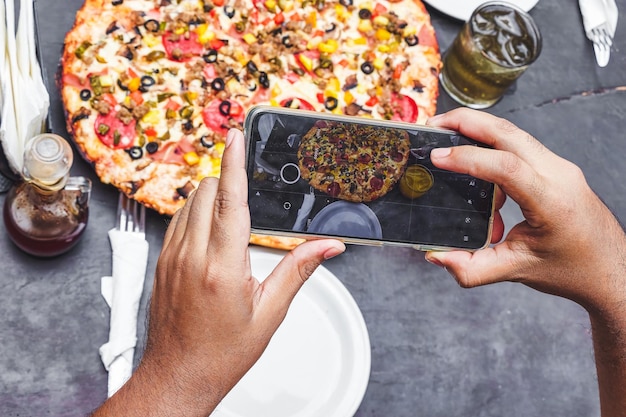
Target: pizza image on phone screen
327 176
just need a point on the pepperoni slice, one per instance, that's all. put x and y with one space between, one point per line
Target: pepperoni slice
404 108
113 132
376 183
218 113
296 103
182 47
334 189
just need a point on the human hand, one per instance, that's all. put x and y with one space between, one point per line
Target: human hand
569 244
210 319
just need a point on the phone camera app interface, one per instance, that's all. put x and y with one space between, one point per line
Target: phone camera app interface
361 180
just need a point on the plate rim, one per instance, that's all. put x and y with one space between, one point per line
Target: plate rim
328 283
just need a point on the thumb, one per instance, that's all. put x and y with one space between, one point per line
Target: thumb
282 285
472 269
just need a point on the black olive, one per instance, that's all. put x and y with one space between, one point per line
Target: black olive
252 86
206 142
252 68
81 114
263 80
152 25
277 31
85 94
365 14
331 28
229 11
187 127
152 147
121 85
117 2
210 56
225 108
137 31
147 81
286 41
346 3
367 67
331 103
218 84
411 40
135 152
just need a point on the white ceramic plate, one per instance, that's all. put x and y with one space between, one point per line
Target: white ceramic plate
317 363
343 218
462 9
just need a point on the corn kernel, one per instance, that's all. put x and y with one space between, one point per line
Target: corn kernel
152 117
328 47
275 92
191 158
381 21
101 59
409 31
378 63
134 84
274 102
127 102
270 5
333 84
285 5
384 48
180 30
206 36
365 25
150 40
383 35
340 12
249 38
361 88
348 97
360 41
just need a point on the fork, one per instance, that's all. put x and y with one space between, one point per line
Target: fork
602 42
131 216
123 290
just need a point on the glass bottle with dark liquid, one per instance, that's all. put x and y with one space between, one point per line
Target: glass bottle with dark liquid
46 213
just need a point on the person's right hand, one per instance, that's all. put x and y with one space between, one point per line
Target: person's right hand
569 244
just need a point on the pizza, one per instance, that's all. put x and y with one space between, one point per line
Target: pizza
150 87
353 162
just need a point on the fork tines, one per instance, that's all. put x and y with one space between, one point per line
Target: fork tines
130 215
602 42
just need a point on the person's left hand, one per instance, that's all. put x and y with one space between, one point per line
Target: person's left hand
210 319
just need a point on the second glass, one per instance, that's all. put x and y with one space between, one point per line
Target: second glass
492 50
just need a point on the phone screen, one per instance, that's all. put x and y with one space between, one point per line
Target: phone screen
356 178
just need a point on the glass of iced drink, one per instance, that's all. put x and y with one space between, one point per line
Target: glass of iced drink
494 47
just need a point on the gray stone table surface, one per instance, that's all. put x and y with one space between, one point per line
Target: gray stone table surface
437 349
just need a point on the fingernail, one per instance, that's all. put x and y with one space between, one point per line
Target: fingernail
440 152
433 119
230 136
434 261
332 252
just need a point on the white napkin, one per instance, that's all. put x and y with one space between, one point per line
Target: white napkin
122 292
596 12
23 114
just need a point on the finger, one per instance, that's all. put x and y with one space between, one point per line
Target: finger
179 227
231 216
496 132
497 232
200 214
291 273
516 178
500 198
169 232
473 269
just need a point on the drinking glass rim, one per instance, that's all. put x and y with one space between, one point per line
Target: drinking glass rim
523 13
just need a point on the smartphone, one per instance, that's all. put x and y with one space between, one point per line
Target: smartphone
362 181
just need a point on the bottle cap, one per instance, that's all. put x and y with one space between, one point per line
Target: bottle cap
47 160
